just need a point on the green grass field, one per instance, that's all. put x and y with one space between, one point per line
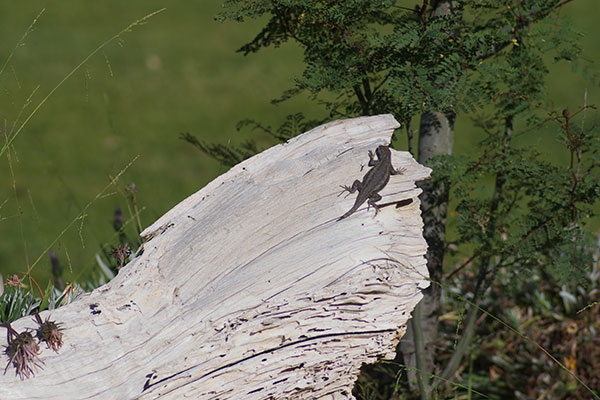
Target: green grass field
178 72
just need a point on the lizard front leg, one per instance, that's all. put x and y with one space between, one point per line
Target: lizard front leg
372 160
394 171
357 185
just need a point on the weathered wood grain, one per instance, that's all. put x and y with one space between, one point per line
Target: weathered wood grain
250 288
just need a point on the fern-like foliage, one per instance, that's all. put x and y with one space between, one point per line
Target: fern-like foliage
229 155
379 57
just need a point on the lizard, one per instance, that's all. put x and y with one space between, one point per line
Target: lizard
374 180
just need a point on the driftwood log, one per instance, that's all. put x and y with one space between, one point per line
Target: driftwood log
251 288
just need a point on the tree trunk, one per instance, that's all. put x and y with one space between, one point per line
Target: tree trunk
252 288
436 137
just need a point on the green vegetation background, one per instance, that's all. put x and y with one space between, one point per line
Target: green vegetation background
177 73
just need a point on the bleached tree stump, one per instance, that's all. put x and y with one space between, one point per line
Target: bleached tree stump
250 288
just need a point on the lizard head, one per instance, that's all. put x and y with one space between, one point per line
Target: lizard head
381 150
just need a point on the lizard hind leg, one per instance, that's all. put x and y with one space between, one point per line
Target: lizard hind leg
371 202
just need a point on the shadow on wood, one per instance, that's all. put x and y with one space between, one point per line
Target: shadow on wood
250 288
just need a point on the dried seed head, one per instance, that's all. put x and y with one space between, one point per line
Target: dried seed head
120 253
49 332
14 281
22 351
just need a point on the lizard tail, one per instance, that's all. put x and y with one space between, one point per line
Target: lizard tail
347 214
